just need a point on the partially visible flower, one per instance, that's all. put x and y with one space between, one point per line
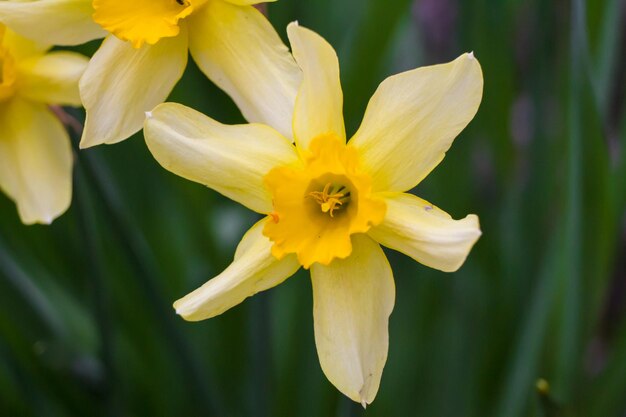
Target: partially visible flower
328 203
145 53
35 150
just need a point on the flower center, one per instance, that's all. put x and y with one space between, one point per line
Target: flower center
8 74
143 21
318 206
331 198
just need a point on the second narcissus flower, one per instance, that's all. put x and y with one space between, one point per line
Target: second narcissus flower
329 204
145 53
35 151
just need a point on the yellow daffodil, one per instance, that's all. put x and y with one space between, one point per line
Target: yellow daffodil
35 149
144 55
328 203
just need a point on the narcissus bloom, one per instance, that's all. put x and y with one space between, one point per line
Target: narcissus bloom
35 149
145 53
329 204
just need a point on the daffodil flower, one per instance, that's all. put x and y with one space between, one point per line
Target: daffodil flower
35 150
329 204
144 55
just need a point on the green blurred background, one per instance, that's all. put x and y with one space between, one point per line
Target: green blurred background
86 324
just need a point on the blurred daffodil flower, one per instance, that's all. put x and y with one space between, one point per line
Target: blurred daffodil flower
145 53
330 204
35 150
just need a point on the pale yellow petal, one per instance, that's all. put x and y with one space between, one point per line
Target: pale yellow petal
319 104
52 78
425 233
352 301
229 159
254 270
21 48
121 83
413 118
35 161
52 22
239 50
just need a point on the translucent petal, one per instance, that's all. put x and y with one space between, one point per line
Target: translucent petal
319 104
121 83
239 50
413 118
52 22
35 161
352 301
253 270
52 78
229 159
425 233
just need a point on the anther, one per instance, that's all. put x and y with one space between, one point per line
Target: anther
330 200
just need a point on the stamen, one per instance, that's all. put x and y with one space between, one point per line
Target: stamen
331 200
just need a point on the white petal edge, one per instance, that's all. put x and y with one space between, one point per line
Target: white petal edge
121 83
426 233
232 160
253 270
412 119
352 301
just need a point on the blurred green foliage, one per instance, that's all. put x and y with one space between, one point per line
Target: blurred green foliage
86 324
